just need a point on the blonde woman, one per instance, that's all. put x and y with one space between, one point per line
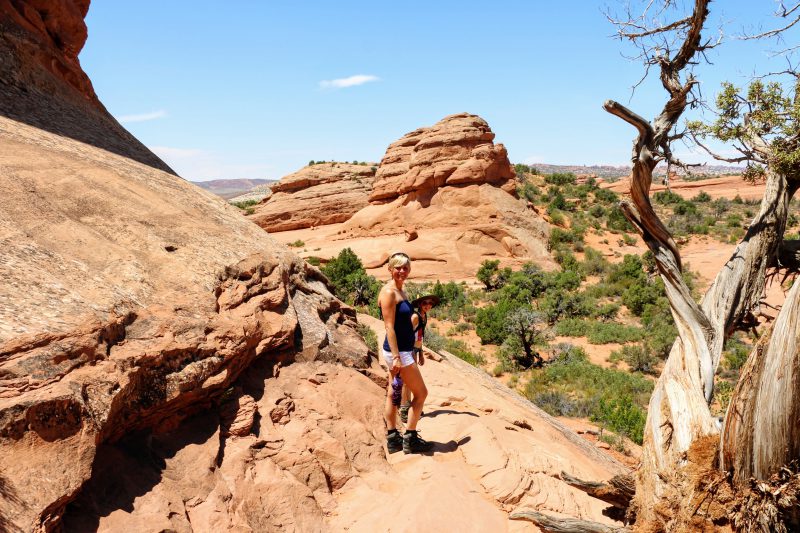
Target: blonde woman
398 350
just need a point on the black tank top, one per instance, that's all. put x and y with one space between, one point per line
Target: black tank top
403 328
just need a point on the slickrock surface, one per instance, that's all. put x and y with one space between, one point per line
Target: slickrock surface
314 460
130 298
457 150
324 193
42 83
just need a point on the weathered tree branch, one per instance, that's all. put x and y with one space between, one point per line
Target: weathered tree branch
552 524
618 491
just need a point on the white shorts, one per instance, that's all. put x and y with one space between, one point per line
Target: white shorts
406 358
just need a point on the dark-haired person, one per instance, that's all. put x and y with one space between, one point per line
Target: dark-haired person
419 320
398 350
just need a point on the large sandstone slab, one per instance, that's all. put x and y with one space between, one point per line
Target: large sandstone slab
316 195
130 297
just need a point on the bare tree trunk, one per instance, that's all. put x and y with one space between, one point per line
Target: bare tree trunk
762 426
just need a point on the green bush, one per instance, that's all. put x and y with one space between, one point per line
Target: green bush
605 196
611 397
460 350
702 197
296 244
491 275
490 322
639 357
616 221
560 178
244 204
369 337
667 198
350 281
622 416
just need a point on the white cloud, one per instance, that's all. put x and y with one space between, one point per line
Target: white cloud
532 160
168 152
352 81
143 117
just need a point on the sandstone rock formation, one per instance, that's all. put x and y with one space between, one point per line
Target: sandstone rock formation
449 185
457 150
130 298
316 195
42 81
314 460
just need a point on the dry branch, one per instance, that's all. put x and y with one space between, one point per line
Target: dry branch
552 524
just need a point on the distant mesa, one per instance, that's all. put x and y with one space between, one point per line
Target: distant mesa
231 188
316 195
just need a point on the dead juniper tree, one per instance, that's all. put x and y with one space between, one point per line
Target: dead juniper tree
696 473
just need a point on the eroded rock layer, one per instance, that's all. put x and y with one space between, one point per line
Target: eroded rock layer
457 150
42 83
130 298
316 195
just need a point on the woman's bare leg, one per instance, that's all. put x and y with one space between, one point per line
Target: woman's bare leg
390 411
415 384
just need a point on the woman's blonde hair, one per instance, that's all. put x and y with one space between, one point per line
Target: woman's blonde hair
398 259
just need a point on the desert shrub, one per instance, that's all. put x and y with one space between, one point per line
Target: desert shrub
461 327
685 208
639 357
454 301
667 198
720 206
572 327
528 191
616 221
350 281
593 262
244 204
558 403
597 211
702 197
434 340
599 332
611 397
313 260
557 218
491 275
560 178
559 304
737 200
605 196
460 350
605 312
622 416
490 322
735 355
369 337
296 244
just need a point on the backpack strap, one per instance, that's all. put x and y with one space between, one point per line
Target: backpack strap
420 323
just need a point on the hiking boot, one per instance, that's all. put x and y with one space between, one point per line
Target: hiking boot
394 442
413 443
404 413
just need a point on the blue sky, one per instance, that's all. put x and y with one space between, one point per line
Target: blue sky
248 89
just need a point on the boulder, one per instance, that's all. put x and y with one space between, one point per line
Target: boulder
457 150
316 195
